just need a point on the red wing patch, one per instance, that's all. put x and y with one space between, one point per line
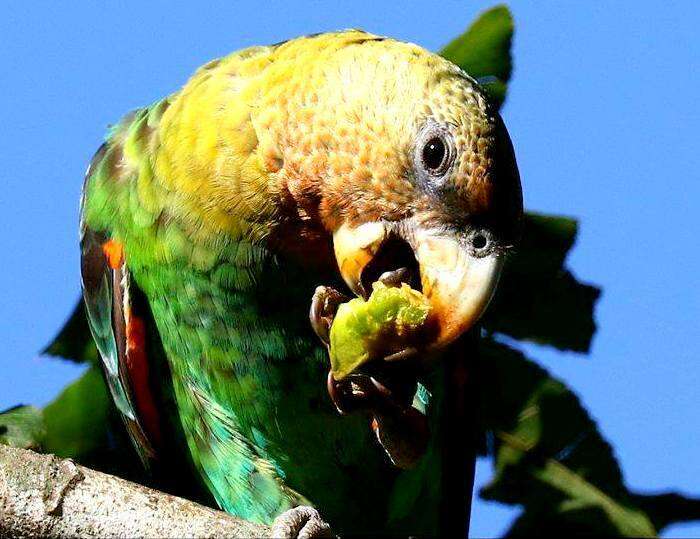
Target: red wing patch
137 367
116 312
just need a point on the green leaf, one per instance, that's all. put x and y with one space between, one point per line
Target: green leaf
483 51
74 340
538 299
23 427
549 455
668 508
82 424
77 420
586 521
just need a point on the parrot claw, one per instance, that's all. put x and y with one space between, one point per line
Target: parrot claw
324 305
300 522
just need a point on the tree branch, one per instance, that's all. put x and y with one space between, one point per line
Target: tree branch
44 496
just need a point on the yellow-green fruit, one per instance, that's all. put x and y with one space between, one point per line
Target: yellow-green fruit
365 330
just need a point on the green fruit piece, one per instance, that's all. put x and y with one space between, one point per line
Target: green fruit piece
387 322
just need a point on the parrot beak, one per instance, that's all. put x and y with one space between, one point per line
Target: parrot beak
458 284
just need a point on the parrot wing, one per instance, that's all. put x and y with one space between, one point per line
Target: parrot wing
115 312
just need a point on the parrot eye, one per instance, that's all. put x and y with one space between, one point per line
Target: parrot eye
434 151
480 242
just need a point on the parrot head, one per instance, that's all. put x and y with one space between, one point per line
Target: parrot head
403 161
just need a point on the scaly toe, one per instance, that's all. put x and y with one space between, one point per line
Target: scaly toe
303 522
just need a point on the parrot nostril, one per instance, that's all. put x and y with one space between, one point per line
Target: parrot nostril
479 241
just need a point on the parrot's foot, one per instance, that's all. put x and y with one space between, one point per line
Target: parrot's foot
400 429
383 388
300 522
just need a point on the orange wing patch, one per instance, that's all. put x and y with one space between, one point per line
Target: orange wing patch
114 251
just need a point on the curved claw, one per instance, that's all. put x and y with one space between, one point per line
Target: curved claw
324 305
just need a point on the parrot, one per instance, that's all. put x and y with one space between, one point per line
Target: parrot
224 226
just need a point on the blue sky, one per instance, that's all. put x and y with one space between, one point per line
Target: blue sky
603 111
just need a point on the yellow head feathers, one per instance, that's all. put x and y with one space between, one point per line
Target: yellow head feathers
323 130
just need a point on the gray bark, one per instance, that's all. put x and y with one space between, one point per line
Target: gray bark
44 496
